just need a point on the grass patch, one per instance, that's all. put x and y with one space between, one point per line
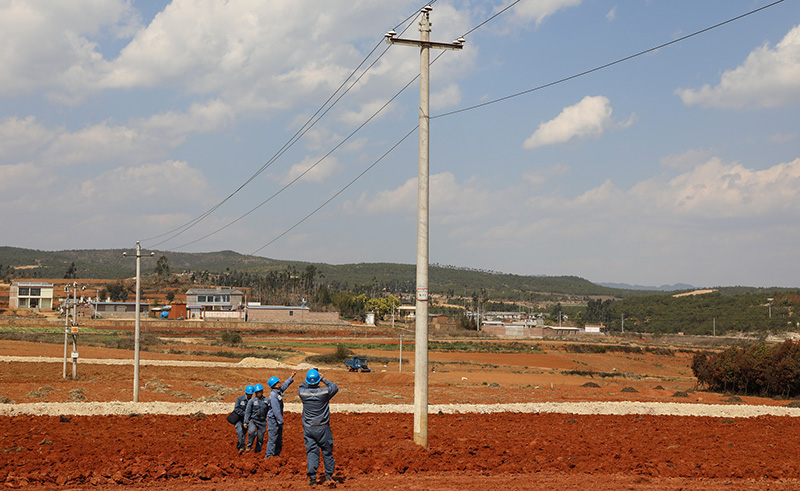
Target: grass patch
341 354
592 373
129 343
483 347
617 348
230 354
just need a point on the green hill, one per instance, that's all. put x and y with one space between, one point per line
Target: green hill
111 264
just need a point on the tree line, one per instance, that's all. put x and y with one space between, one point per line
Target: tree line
760 369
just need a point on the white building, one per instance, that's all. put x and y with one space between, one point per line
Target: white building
31 295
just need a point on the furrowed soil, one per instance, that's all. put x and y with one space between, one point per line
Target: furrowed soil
44 447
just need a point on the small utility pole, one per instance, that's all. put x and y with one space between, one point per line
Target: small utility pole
75 353
400 369
421 313
74 330
74 303
66 328
138 315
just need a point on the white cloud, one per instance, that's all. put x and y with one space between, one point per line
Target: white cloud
686 160
48 43
718 190
22 180
589 118
450 200
312 170
768 78
447 97
355 145
697 222
402 198
255 55
710 190
537 177
783 137
102 143
22 137
146 188
538 10
139 141
201 117
365 111
611 16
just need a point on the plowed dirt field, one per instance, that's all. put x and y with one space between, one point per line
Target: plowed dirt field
376 451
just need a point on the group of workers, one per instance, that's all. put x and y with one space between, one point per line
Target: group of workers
257 413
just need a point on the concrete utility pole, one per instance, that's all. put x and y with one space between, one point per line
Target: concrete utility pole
138 315
66 327
74 330
421 312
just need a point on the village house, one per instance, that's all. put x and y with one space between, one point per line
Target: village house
31 295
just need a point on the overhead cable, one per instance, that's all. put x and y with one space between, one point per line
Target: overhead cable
601 67
296 137
506 98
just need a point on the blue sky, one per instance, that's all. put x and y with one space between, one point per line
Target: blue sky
123 120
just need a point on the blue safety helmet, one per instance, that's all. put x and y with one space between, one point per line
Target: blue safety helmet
272 381
313 377
249 389
258 388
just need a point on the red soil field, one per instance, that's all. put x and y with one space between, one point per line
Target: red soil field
376 451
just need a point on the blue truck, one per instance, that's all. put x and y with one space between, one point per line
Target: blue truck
358 363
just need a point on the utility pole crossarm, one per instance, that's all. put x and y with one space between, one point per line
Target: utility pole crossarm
423 44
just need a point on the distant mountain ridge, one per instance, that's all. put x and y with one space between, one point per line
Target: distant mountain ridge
662 288
451 280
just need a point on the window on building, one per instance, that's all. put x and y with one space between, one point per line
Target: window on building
24 292
36 292
291 313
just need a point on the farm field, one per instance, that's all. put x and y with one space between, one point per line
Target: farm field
195 450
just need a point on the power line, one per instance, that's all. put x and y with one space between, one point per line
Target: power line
506 98
307 170
338 192
601 67
294 139
490 18
283 149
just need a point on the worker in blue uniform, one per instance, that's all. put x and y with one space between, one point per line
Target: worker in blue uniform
275 414
316 423
238 407
255 418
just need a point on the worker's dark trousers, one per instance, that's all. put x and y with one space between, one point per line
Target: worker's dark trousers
275 438
319 438
255 431
240 434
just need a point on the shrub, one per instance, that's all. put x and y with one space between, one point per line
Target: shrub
231 338
762 369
